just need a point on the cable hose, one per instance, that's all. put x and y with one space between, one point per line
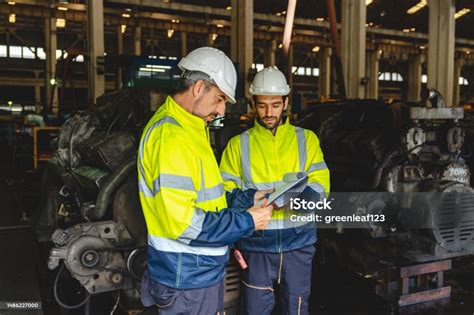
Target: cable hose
56 297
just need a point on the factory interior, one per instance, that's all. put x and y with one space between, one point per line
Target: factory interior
386 85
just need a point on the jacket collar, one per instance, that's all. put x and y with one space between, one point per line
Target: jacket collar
280 132
185 119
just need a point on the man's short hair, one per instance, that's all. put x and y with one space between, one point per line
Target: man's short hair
188 78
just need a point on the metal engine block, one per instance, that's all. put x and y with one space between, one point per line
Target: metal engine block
409 160
96 255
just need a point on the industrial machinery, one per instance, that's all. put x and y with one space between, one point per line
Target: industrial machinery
406 161
90 207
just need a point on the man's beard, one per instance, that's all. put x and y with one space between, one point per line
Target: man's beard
209 117
274 125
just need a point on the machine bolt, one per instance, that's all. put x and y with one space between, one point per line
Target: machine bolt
90 258
117 278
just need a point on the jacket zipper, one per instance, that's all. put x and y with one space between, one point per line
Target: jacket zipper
279 269
278 231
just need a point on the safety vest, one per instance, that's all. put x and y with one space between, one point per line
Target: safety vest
257 159
183 201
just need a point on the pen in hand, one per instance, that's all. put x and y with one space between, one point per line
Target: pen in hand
267 196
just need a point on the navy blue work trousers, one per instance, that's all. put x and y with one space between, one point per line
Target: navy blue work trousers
291 271
171 301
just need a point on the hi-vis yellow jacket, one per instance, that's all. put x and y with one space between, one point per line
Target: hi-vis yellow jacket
256 159
184 202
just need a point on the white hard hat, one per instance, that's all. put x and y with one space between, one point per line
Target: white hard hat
269 81
216 65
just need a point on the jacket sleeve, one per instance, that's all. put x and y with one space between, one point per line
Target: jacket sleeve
318 172
172 176
240 199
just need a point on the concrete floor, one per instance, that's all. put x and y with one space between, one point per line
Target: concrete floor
19 277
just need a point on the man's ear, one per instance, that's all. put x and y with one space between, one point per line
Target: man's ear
197 88
285 106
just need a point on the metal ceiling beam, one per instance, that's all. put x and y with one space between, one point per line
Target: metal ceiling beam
188 8
76 13
95 45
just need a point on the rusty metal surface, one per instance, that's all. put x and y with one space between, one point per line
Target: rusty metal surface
436 113
424 296
425 268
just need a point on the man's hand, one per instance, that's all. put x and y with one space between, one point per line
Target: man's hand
261 216
260 196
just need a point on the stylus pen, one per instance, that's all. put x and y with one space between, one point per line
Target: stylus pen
267 196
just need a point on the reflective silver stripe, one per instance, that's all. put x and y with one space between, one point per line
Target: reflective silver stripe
317 166
210 193
301 147
274 224
195 228
262 186
174 246
287 223
172 181
245 156
319 189
141 147
166 181
143 187
231 178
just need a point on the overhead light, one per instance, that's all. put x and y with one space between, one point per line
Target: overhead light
123 28
60 22
406 30
170 33
315 49
174 21
12 18
420 5
125 15
10 103
380 51
228 8
11 2
468 52
422 47
53 81
158 66
128 9
367 2
220 25
278 14
280 46
214 36
412 29
62 8
283 12
461 12
320 19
